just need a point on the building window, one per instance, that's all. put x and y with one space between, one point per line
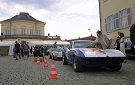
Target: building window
109 23
15 31
116 21
129 17
23 31
38 32
7 32
105 0
31 31
119 20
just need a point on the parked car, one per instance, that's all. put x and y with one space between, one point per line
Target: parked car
129 49
49 52
79 56
57 53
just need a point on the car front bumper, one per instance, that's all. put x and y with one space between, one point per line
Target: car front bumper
101 61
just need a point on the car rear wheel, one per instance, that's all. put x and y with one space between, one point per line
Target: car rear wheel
59 58
116 68
77 66
64 60
50 57
53 58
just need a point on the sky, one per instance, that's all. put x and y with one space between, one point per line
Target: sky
69 19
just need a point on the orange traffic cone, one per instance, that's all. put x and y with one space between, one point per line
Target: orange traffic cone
38 61
53 71
45 63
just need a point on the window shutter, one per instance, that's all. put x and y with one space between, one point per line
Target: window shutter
129 17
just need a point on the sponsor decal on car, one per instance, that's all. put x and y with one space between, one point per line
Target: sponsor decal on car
97 50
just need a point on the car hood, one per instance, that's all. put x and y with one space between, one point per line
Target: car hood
96 52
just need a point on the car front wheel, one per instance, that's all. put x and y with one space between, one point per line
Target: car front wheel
64 60
50 57
53 57
116 68
77 66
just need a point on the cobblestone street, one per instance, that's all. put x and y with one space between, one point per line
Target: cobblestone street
25 72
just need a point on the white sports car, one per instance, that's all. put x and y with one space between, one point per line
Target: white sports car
57 53
80 56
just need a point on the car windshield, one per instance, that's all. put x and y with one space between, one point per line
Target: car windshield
81 44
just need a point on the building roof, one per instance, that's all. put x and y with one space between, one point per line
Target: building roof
22 16
84 38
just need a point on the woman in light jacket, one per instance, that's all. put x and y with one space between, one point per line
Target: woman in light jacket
122 43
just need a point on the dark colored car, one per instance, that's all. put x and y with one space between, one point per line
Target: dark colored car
129 49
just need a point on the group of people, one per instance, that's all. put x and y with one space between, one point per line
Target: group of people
106 40
40 51
21 50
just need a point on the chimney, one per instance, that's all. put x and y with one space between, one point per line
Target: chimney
24 13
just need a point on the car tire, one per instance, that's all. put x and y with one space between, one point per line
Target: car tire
116 68
50 57
53 58
59 58
77 66
64 60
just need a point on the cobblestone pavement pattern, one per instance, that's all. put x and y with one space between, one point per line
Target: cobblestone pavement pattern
25 72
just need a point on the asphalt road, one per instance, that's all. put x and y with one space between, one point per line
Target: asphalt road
25 72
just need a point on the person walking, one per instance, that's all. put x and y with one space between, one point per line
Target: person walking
117 41
22 53
28 50
25 49
122 43
31 50
14 50
17 48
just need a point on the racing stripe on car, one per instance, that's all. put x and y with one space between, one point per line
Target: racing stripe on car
97 50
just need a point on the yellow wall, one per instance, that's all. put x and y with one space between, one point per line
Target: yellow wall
5 25
111 7
19 24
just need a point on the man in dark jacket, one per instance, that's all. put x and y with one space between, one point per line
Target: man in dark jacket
17 48
55 45
132 34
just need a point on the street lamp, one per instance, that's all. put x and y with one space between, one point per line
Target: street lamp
90 32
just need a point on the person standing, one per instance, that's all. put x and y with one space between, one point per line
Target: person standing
17 46
46 50
132 35
14 50
22 53
117 41
122 43
104 40
31 50
28 49
55 45
25 49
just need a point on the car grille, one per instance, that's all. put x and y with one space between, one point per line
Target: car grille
106 60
